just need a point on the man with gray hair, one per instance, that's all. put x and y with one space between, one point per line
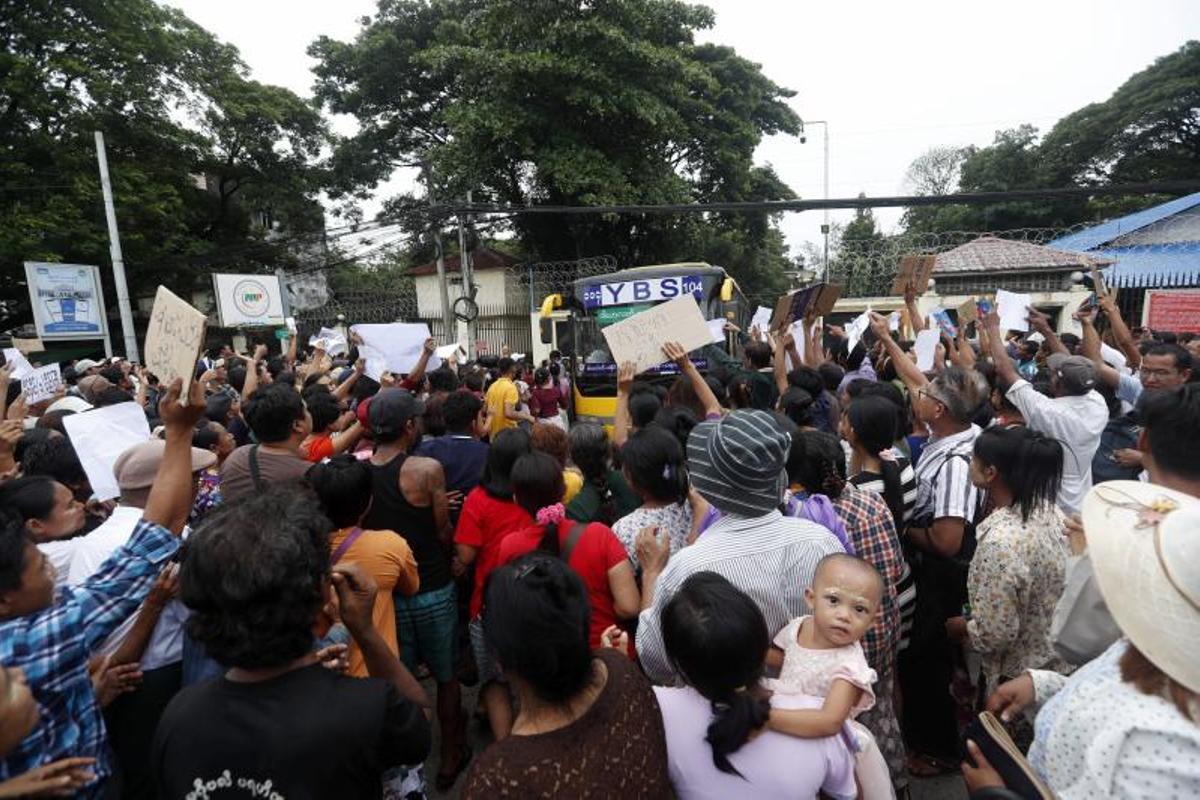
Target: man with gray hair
737 465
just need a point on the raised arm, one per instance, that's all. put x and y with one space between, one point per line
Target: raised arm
813 352
170 498
786 344
343 389
135 642
1005 369
914 316
621 422
675 352
913 378
251 382
966 353
293 343
1041 324
1091 347
418 372
1121 332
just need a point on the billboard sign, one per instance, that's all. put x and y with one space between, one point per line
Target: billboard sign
245 300
67 300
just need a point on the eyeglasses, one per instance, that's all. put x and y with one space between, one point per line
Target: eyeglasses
1157 373
926 393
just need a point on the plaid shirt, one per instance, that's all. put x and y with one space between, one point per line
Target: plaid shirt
53 645
872 531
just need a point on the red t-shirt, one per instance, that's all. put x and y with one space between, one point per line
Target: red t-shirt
483 522
597 551
317 447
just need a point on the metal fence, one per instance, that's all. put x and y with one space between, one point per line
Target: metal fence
502 321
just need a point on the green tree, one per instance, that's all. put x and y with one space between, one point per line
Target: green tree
175 105
575 103
860 260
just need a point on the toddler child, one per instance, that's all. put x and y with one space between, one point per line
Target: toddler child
823 657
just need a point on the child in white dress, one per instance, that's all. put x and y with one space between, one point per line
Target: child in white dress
823 657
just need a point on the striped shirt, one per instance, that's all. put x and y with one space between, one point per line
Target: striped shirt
944 487
771 558
873 482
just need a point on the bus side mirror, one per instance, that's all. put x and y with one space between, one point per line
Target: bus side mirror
727 287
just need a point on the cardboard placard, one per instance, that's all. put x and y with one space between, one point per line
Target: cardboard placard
826 299
968 312
174 339
28 346
42 383
914 271
640 338
793 306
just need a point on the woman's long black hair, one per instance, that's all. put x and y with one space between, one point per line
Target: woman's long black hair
873 420
1029 463
537 482
592 454
507 446
654 463
717 638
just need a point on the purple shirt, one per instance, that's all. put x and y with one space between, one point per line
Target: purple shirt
774 764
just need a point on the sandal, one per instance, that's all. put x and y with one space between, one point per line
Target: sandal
445 780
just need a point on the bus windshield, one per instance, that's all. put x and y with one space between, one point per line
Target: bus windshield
607 299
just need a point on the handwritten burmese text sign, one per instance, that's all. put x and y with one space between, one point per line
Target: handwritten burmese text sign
640 338
914 272
42 383
174 339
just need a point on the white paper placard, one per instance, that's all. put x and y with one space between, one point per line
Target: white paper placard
21 367
716 327
640 338
894 321
42 383
100 436
798 334
762 319
855 330
329 340
1013 309
926 348
452 349
393 347
173 340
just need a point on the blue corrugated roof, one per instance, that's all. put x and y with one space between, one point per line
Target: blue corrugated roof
1098 235
1153 266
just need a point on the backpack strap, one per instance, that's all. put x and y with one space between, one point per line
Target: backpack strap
573 539
351 537
255 472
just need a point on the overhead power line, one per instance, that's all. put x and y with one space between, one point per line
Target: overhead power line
778 206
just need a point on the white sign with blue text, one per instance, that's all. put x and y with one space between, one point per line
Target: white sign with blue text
646 290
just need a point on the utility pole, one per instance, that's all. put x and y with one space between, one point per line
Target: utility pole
443 287
468 277
114 246
825 212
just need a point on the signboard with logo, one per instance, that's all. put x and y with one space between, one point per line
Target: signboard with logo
611 314
1176 310
244 300
67 300
646 290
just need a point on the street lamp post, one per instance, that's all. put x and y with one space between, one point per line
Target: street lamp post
824 212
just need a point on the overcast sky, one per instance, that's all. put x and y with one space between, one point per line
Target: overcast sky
892 79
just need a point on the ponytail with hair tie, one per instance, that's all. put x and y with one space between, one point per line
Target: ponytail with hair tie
735 717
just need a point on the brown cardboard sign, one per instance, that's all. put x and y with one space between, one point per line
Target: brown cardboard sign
914 271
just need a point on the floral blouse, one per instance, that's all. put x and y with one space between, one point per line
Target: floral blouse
1014 583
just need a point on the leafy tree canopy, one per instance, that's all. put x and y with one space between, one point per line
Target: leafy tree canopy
1148 130
194 145
578 103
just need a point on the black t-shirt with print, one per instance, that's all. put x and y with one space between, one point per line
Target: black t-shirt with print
309 733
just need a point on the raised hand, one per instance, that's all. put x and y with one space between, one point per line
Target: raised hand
675 352
625 375
653 549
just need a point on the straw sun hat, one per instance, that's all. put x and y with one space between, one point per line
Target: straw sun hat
1144 544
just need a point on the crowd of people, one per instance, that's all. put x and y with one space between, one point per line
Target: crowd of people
800 572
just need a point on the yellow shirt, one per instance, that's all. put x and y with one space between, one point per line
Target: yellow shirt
498 394
573 480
